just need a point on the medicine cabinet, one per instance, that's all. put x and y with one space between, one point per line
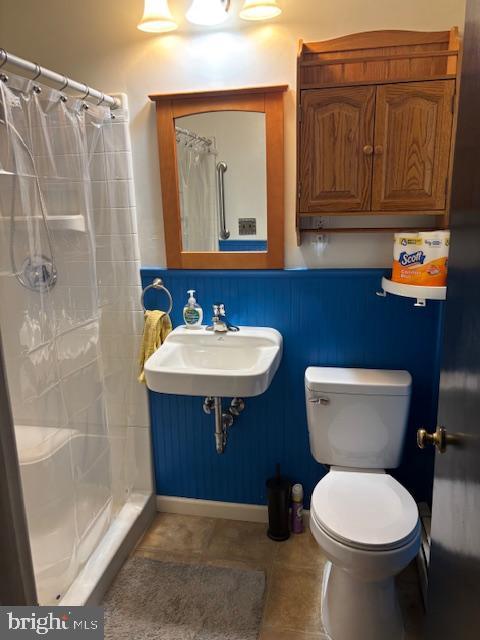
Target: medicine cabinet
222 176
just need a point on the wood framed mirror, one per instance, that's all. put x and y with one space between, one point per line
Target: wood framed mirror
222 177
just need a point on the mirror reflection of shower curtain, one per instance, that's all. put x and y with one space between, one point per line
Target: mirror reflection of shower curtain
51 329
198 198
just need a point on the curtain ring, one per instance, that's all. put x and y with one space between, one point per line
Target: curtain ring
87 93
65 84
102 98
5 60
38 71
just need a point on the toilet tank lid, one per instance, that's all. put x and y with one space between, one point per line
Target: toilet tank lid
358 381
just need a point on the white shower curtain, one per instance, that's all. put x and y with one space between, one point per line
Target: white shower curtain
72 464
198 199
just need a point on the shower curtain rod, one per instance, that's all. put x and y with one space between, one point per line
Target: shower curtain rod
193 135
63 81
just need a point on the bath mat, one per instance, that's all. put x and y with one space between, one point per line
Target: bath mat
152 600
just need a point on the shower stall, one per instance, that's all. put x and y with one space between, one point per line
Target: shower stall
70 322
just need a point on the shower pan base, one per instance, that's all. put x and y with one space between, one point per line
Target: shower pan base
94 579
66 574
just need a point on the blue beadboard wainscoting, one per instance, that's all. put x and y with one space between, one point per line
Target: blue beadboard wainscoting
327 318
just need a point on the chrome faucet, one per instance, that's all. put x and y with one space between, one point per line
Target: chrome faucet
220 324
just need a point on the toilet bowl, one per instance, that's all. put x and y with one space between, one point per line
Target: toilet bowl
367 525
365 522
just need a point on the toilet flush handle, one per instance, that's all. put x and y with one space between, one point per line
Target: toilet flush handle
323 401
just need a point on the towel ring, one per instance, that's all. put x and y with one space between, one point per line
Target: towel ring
158 285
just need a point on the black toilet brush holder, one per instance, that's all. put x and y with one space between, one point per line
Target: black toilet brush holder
278 494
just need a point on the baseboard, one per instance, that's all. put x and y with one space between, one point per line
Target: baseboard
215 509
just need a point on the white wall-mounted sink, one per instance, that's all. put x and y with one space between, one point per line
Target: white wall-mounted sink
203 363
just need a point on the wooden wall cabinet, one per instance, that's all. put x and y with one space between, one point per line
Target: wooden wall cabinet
376 124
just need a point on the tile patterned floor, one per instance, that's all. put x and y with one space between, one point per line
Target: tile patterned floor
293 568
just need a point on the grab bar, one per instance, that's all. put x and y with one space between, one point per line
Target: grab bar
157 284
221 168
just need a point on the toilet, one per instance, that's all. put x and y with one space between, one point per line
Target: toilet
365 522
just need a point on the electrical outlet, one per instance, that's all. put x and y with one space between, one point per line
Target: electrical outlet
247 226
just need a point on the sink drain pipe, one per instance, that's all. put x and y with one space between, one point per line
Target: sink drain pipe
223 420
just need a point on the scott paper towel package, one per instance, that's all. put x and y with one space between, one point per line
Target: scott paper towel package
421 258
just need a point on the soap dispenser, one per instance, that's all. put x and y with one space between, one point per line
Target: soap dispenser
192 312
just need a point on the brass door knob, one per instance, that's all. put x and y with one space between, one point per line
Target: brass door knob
378 149
368 149
439 439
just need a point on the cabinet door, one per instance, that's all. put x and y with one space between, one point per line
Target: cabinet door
335 149
413 129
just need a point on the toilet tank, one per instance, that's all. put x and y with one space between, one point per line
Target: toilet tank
357 417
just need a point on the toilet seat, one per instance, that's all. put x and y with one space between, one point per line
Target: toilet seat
364 510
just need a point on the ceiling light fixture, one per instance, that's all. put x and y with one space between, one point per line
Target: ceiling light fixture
260 10
157 17
208 12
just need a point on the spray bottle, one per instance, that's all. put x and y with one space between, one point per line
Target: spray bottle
297 509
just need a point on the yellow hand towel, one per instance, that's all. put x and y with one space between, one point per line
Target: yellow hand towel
157 327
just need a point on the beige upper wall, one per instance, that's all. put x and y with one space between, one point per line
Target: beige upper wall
97 42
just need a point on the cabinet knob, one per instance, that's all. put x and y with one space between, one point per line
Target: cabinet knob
368 149
378 149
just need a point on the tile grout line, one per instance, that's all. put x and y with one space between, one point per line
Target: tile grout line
269 580
210 537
